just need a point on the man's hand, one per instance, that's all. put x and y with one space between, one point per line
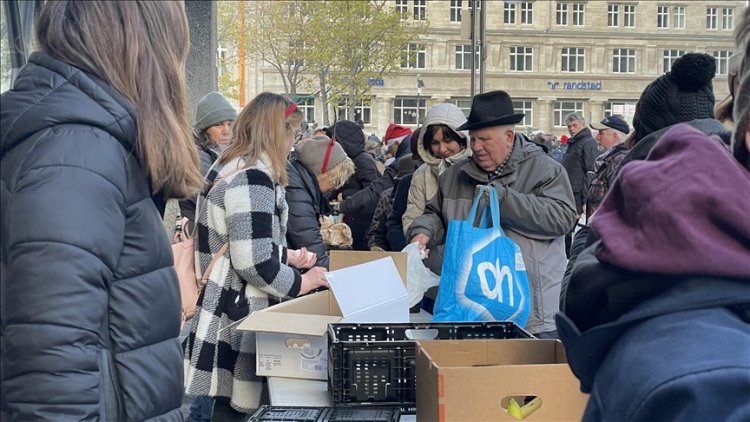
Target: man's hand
421 240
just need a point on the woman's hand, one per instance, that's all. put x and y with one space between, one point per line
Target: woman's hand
301 258
313 279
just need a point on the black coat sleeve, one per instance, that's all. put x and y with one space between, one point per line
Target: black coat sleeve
303 226
584 238
367 199
394 226
187 206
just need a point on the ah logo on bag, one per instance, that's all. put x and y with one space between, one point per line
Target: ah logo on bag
495 291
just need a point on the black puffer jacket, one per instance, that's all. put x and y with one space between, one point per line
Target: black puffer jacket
90 300
352 139
207 156
579 160
306 205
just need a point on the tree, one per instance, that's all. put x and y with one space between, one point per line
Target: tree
355 42
228 36
334 48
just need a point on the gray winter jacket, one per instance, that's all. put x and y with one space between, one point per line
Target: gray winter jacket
424 182
536 208
90 299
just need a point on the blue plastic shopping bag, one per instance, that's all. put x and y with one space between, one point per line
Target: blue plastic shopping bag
483 276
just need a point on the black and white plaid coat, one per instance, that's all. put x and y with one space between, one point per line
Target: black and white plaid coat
248 210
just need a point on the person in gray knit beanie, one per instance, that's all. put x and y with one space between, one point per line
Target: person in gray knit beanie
327 160
685 93
212 109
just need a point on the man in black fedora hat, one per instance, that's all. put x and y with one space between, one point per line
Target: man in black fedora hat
536 201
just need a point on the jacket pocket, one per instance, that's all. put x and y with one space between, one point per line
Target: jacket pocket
109 393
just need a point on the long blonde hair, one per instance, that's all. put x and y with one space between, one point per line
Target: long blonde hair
263 129
140 49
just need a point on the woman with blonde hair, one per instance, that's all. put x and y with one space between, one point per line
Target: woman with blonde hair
94 137
243 225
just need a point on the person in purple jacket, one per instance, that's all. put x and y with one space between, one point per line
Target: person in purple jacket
656 318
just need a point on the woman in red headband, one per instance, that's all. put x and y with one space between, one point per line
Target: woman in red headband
241 244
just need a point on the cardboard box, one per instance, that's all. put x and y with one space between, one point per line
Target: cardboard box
290 336
472 380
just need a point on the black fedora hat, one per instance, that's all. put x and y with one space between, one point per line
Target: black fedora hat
494 108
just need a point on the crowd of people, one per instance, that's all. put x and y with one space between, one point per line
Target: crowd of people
650 294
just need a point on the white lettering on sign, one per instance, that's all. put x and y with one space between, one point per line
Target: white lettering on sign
500 274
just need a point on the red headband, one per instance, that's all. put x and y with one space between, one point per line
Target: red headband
290 110
328 156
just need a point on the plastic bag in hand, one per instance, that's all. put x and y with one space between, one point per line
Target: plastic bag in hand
418 277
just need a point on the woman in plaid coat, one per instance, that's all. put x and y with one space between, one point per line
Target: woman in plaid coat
244 207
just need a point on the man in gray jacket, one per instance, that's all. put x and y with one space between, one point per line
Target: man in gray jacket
536 202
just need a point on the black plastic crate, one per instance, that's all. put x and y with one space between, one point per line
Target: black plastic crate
325 414
376 363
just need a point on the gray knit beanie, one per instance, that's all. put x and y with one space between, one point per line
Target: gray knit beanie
683 94
212 109
312 153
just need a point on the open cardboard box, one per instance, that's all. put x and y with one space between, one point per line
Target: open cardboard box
472 380
290 336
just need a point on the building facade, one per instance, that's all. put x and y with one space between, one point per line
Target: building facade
553 57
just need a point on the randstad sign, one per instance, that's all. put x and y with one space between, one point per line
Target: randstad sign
580 86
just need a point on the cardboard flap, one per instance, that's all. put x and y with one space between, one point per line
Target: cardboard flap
362 288
282 322
343 259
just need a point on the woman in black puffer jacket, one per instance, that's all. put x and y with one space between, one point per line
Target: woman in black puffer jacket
309 180
90 299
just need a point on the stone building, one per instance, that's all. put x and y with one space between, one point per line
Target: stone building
553 57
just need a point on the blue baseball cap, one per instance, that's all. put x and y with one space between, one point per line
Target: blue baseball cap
612 122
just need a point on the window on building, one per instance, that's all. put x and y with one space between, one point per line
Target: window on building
579 12
524 106
711 18
402 6
306 104
624 108
408 110
613 15
564 107
455 10
463 57
362 110
623 60
628 16
573 59
477 5
727 19
223 53
509 12
662 16
527 13
413 57
561 14
678 14
420 10
521 59
618 14
669 57
463 103
722 61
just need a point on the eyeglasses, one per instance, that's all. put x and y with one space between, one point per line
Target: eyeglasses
297 136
